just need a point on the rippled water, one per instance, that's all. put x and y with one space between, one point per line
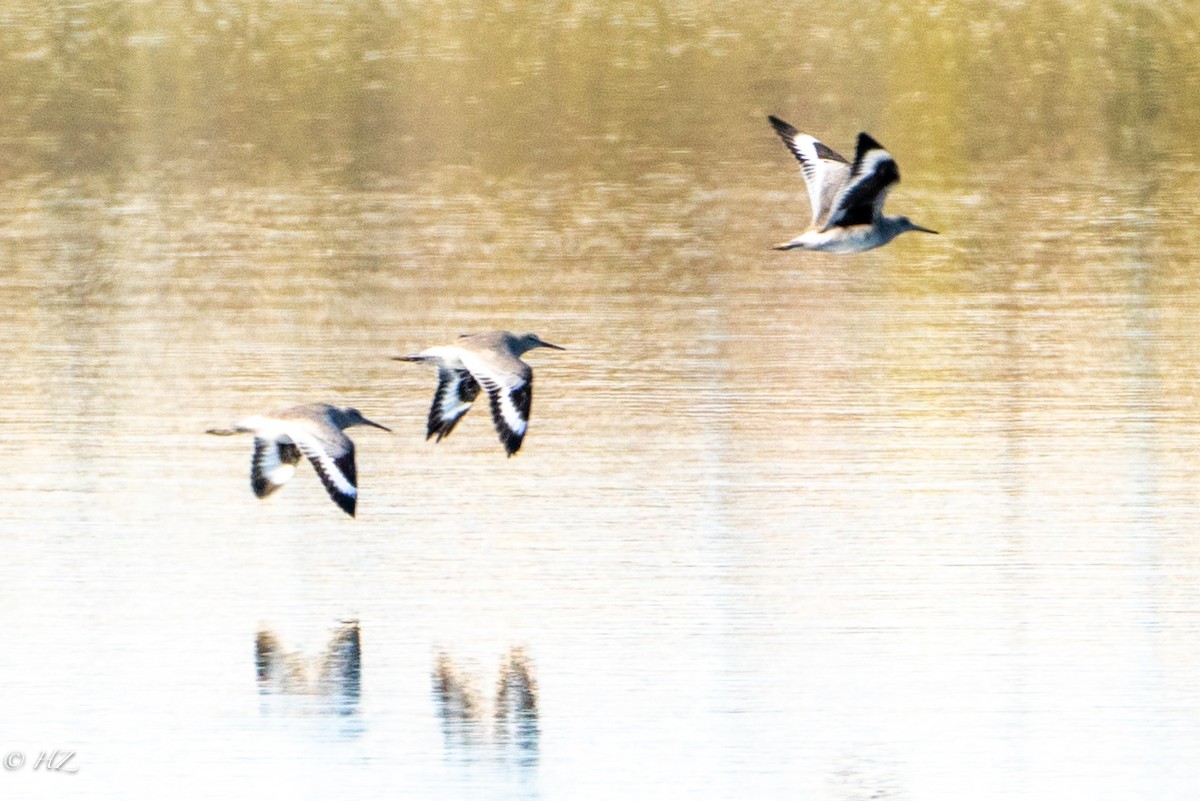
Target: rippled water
915 523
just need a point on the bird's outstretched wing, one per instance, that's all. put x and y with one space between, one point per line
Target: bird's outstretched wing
824 170
334 462
509 385
272 465
873 174
456 391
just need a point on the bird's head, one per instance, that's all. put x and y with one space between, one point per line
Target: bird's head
353 417
908 225
526 342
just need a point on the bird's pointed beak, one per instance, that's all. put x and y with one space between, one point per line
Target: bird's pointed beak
556 347
367 422
924 229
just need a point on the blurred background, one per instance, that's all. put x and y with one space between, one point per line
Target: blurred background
917 523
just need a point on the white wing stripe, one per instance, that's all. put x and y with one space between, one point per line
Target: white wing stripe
315 452
512 416
452 407
812 168
280 474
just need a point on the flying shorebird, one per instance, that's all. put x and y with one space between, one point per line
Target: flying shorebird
847 199
492 361
314 430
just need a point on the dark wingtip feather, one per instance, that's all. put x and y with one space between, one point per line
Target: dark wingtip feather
433 425
828 153
512 441
867 142
782 128
441 429
346 503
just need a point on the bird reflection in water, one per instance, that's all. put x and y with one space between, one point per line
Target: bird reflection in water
333 679
505 728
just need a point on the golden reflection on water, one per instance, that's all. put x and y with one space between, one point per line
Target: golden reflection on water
375 93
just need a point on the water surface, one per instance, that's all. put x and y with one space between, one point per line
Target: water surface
916 523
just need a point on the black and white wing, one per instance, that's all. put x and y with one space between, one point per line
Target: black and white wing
272 465
456 391
873 174
824 170
509 385
333 459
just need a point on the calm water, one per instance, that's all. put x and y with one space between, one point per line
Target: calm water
915 524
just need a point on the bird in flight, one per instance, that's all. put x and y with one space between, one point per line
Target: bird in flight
847 199
492 361
316 430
